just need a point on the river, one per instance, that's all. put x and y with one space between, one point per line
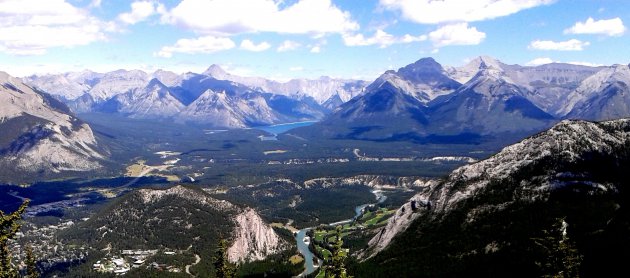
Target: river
309 265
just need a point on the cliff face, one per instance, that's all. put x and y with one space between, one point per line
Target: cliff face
253 238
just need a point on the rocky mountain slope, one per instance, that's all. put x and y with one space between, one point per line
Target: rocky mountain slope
602 96
179 218
40 135
490 102
424 80
154 101
558 194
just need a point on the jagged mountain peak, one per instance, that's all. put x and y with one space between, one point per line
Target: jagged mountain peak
424 80
426 64
215 71
156 83
466 72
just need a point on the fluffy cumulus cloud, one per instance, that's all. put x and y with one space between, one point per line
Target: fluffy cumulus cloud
206 44
456 34
30 27
570 45
288 45
380 38
228 17
140 10
444 11
251 46
610 27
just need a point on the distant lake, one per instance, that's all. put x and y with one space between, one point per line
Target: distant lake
282 128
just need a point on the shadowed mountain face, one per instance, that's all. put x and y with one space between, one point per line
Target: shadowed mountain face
369 116
406 105
489 103
556 202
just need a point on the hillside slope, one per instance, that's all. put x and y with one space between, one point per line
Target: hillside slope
40 135
555 202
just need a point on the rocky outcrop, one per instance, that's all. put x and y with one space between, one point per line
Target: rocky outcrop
253 238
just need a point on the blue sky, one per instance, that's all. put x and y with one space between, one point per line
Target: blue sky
305 38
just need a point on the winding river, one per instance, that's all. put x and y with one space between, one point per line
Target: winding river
309 265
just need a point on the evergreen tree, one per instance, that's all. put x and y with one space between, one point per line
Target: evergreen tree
561 256
222 266
31 264
9 226
335 267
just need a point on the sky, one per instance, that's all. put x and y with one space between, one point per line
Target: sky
283 39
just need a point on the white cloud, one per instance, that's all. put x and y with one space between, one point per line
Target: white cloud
409 38
30 27
544 61
570 45
140 11
316 49
251 46
444 11
206 44
588 64
610 27
539 61
380 38
288 46
227 17
95 4
456 34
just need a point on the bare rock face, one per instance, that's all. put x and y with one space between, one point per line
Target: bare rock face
40 134
253 238
401 220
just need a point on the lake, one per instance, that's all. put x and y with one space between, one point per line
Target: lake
282 128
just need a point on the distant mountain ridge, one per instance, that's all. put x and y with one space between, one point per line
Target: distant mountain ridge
486 98
165 95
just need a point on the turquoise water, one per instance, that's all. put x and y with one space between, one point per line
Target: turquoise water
282 128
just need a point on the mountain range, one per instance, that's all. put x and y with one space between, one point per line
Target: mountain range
485 98
213 97
425 100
